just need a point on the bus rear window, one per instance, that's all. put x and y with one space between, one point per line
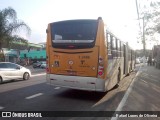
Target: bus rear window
77 33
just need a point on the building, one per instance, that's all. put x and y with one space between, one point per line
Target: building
156 55
33 51
33 54
43 44
10 55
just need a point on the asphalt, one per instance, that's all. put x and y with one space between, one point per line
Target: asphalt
35 70
143 96
143 99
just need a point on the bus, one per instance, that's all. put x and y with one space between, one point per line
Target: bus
82 54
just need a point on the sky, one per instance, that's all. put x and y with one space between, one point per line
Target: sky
120 16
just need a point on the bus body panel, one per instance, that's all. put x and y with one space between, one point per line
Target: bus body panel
101 42
74 63
77 82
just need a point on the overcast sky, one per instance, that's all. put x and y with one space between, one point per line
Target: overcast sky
119 15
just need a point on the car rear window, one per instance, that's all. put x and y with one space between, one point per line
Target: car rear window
3 65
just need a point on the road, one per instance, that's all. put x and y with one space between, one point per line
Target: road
36 95
145 93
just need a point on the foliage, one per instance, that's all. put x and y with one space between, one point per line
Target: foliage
17 42
9 24
151 14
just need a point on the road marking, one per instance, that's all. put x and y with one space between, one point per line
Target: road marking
1 107
154 76
143 69
38 74
125 97
143 81
33 96
57 88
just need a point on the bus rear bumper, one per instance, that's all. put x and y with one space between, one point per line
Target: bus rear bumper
77 82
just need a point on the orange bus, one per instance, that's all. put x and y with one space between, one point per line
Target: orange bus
83 54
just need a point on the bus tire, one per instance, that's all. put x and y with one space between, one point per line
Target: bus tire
119 76
128 72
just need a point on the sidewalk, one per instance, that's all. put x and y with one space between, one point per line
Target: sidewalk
145 93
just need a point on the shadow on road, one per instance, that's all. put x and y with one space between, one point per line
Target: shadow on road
84 95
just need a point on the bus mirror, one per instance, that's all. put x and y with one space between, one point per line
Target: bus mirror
99 18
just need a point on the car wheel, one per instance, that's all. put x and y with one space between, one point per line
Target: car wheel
1 80
26 76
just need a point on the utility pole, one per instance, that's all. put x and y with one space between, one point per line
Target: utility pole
144 42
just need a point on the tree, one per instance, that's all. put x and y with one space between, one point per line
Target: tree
150 12
9 24
18 43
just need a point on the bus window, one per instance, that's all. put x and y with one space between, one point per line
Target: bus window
118 48
114 47
121 49
129 54
109 45
75 33
113 43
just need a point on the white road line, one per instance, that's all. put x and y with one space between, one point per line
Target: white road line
57 88
33 96
143 81
1 107
38 74
125 97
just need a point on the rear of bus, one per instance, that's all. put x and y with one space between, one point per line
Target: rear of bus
76 54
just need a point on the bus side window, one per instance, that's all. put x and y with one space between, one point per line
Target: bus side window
122 49
114 47
118 48
109 45
129 54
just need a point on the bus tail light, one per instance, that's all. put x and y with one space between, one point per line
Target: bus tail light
100 70
100 67
100 73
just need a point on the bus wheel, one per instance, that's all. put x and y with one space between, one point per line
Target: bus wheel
119 76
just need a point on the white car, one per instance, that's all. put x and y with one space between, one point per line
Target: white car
11 71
